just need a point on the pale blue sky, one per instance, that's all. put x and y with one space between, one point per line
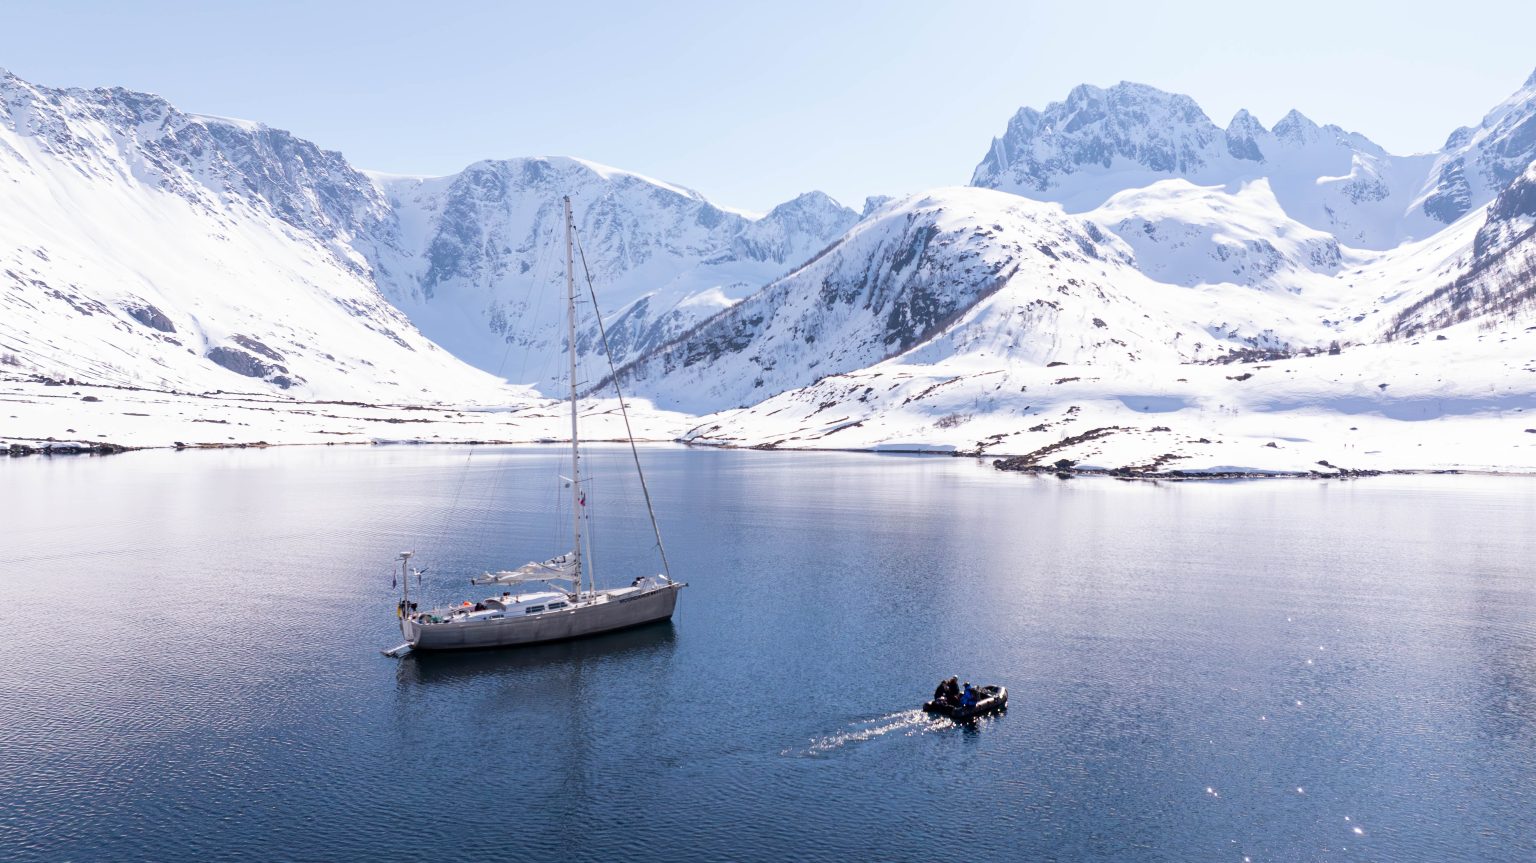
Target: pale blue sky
753 103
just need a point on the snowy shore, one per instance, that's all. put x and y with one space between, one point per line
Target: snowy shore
1462 403
1325 415
36 414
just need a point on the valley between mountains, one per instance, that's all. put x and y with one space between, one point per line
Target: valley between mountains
1124 285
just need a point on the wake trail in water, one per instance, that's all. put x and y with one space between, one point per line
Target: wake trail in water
908 722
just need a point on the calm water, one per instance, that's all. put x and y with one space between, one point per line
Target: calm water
1279 671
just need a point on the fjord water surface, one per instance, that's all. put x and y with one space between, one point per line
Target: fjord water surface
1272 671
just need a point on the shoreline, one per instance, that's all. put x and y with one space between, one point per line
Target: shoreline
1003 463
1100 438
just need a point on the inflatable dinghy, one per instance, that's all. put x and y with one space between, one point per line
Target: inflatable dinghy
993 699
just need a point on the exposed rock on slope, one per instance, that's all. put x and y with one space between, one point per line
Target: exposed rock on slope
1498 287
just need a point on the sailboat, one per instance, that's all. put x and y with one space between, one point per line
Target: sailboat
565 602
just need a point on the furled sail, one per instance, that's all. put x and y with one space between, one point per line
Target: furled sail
562 568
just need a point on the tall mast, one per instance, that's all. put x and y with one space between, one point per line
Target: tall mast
405 588
570 320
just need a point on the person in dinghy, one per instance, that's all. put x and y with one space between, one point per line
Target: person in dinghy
947 692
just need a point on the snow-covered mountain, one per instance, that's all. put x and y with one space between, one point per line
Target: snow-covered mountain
1119 260
968 277
892 283
1419 356
1314 211
1099 142
479 267
1162 264
146 246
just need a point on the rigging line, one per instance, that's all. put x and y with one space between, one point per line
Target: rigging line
540 261
506 352
507 334
544 241
452 512
629 433
591 537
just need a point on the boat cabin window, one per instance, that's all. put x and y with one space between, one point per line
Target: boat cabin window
555 605
534 609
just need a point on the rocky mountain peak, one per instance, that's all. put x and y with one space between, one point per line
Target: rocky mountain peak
1243 135
873 203
806 203
1459 137
1296 128
794 230
1245 123
116 132
1126 105
1478 162
1102 141
1131 125
816 211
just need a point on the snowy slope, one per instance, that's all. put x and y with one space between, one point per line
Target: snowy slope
148 247
1496 289
1302 284
1467 402
1190 235
479 266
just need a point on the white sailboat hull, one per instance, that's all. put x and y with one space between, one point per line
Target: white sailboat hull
620 609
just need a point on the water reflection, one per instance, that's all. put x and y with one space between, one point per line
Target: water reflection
653 642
